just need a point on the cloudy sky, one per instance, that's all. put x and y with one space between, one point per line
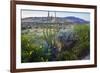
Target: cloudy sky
38 13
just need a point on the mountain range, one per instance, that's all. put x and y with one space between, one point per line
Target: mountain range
70 19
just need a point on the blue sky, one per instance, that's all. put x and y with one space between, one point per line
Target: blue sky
38 13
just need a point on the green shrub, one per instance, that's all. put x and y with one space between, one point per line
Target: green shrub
33 49
81 47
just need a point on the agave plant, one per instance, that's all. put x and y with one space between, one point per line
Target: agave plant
67 39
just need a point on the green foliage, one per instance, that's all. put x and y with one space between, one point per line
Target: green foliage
66 55
83 43
49 35
25 48
34 49
83 31
81 47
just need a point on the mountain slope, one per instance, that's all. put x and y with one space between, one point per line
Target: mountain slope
70 19
75 20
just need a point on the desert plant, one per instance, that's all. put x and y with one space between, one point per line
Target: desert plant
33 50
81 47
49 35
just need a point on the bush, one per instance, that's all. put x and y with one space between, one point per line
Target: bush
81 48
33 49
43 48
83 43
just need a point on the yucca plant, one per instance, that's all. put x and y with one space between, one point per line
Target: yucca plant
49 35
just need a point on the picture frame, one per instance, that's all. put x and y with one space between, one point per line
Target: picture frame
17 14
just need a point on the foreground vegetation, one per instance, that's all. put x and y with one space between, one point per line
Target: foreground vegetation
54 45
